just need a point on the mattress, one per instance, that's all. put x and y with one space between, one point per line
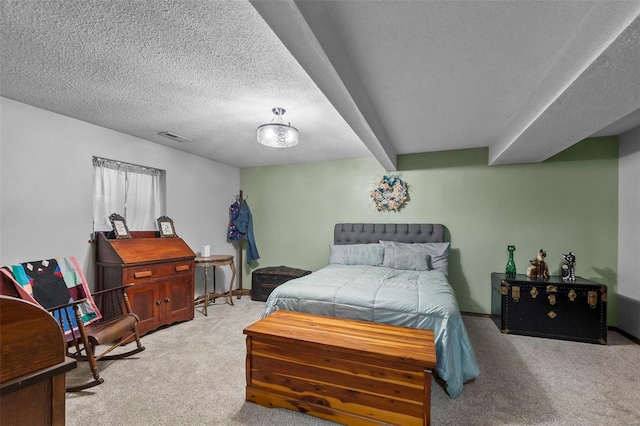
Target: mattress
419 299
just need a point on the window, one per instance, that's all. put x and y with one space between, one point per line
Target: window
130 190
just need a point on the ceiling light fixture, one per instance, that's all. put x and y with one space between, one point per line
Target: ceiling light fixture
277 134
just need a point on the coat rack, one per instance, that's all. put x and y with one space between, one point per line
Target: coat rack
239 292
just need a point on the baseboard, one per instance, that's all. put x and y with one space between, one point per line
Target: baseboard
475 314
631 337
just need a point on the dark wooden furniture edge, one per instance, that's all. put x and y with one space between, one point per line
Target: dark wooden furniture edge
44 374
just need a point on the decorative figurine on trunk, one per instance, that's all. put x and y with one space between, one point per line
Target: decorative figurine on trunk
538 267
569 268
511 265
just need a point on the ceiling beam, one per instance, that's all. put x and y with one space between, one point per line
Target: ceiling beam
306 29
604 93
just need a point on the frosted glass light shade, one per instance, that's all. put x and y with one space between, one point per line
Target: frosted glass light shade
277 134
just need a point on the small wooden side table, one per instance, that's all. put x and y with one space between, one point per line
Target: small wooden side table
215 260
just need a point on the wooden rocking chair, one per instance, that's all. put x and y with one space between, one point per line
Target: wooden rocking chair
118 331
85 336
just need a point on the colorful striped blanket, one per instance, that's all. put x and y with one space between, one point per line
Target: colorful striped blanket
54 282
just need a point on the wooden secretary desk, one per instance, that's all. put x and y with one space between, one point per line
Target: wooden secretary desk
161 269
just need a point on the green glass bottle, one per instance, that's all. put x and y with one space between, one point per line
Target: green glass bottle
511 265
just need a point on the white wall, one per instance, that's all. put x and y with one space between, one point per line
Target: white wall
629 233
46 187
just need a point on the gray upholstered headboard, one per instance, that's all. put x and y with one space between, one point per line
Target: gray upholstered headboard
367 233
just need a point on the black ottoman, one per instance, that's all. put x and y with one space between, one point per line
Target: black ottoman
264 280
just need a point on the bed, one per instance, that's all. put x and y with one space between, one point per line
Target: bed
393 274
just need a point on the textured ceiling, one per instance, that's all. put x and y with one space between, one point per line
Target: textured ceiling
358 78
210 71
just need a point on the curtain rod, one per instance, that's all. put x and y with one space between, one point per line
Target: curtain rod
121 165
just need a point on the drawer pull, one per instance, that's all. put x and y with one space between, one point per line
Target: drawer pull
143 274
167 300
182 268
158 302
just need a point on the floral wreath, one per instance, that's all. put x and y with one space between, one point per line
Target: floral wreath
390 193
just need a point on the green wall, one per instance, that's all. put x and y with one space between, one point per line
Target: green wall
567 203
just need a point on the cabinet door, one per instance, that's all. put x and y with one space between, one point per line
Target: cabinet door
145 300
178 299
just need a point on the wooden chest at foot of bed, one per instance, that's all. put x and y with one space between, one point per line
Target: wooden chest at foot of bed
265 280
550 307
347 371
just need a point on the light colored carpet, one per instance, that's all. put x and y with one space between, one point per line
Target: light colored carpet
193 373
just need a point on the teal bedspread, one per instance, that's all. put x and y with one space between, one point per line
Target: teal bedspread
418 299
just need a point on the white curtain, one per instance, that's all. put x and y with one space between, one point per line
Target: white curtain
126 189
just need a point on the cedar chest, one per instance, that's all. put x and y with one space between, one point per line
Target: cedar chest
265 280
346 371
550 307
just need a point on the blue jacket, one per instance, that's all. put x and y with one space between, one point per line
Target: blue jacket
244 224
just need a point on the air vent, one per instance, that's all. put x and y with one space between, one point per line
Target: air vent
175 137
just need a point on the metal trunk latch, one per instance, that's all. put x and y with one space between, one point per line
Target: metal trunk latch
504 288
552 297
572 295
592 298
534 292
515 293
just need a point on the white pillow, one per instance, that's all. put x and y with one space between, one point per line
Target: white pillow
356 254
438 252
